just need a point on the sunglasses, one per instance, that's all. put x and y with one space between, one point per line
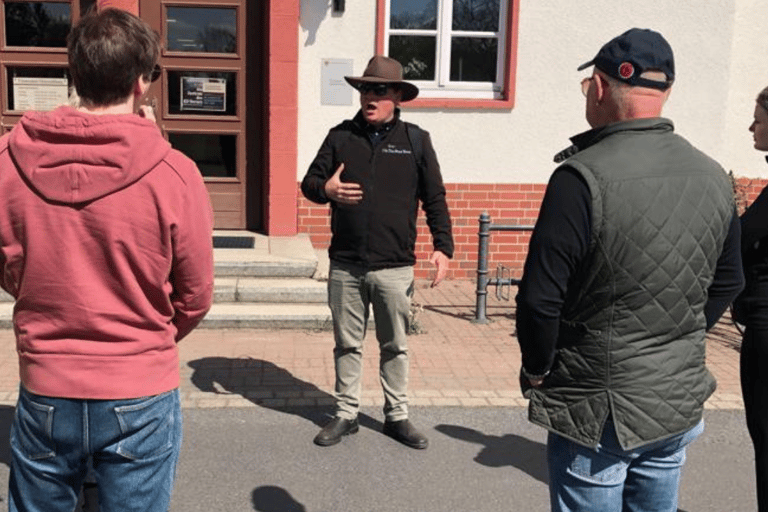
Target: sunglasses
585 85
377 89
156 72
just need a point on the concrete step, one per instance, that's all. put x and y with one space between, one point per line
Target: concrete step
278 268
253 289
270 257
242 316
268 289
6 315
268 316
281 257
266 286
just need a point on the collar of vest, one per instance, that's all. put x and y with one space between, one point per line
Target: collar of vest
591 137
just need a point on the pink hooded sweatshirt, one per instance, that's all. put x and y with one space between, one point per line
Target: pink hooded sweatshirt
105 242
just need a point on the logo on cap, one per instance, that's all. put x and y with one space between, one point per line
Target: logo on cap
626 70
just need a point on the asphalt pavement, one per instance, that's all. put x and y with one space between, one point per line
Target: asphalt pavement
479 459
254 399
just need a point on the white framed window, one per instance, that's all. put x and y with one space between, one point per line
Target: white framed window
451 48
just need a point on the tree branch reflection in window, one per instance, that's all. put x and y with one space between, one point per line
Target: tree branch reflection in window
202 29
37 24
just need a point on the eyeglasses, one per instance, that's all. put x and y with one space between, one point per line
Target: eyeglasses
377 89
156 72
585 85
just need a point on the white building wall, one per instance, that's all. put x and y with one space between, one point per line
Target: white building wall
747 76
720 51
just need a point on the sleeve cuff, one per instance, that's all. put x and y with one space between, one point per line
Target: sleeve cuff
531 376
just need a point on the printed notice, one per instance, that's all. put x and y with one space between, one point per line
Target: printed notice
203 93
39 93
334 89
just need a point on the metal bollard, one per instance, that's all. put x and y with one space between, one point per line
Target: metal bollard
484 236
484 239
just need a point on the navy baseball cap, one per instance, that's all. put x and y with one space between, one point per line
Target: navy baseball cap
634 52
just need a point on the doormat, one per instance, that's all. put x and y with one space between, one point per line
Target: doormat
233 242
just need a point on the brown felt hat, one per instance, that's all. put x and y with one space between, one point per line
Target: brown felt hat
384 70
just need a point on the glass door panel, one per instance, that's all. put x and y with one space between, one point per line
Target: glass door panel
214 154
36 88
209 93
37 24
201 29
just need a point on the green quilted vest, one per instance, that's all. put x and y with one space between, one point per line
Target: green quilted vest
631 339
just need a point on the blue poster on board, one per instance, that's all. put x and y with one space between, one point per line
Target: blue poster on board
203 93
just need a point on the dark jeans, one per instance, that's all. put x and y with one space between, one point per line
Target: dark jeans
754 386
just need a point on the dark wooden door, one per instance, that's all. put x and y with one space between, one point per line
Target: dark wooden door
200 98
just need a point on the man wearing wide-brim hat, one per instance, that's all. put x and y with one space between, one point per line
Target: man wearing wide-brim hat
374 170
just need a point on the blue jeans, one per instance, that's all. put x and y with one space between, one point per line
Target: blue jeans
610 479
134 445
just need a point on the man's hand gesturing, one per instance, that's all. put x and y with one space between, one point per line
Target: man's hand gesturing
341 192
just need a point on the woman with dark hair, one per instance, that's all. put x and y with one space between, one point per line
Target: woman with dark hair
751 309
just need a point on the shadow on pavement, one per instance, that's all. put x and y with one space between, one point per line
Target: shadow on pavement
461 313
507 450
725 333
274 499
267 385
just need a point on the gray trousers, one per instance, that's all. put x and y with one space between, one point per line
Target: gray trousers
351 290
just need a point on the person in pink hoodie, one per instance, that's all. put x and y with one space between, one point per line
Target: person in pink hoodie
105 243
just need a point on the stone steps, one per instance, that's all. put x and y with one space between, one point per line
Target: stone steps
269 290
258 290
276 284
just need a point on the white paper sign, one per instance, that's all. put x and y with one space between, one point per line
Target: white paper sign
39 93
334 89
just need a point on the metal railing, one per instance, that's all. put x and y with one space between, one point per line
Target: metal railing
503 275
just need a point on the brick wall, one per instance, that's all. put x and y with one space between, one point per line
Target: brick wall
746 190
507 204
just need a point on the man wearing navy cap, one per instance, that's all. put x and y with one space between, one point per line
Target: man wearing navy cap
634 256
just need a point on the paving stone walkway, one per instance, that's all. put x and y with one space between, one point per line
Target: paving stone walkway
454 362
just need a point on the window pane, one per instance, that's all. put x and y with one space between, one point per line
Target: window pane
39 24
215 155
202 29
37 88
207 93
476 15
473 59
416 54
413 14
